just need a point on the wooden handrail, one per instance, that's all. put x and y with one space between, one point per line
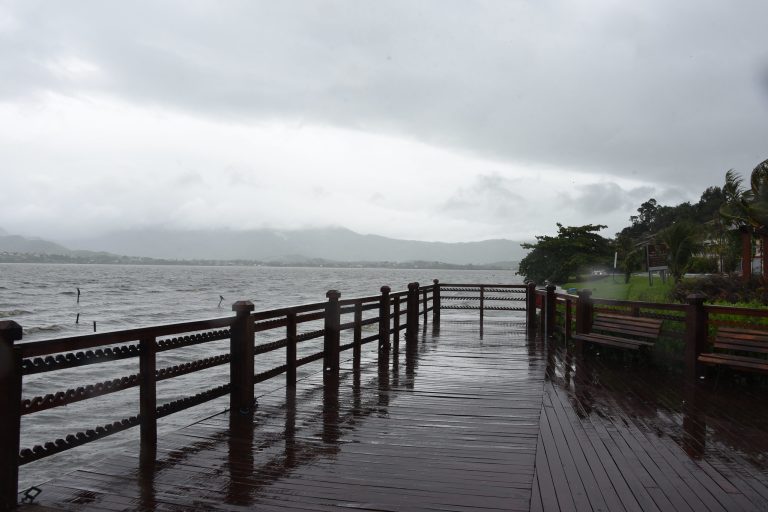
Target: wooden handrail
144 343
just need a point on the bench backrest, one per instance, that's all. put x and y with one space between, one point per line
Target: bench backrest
746 340
640 327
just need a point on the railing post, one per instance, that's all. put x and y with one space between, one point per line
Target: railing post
10 413
568 318
550 308
290 349
412 313
584 312
332 333
436 302
384 321
396 314
358 335
241 397
482 305
148 393
424 305
530 305
696 319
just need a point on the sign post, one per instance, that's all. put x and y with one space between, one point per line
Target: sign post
656 259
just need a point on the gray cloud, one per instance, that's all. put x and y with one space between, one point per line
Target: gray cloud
488 199
669 95
665 93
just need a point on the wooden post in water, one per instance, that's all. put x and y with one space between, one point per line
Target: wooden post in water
241 397
290 349
332 333
384 321
530 305
436 302
148 395
550 308
412 314
695 335
10 413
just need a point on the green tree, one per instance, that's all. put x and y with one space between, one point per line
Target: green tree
630 255
559 258
683 241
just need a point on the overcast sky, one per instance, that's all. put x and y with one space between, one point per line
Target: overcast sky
431 120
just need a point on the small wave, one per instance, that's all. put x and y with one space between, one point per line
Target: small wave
68 293
44 328
14 312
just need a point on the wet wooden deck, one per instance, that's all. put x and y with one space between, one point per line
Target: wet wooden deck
464 423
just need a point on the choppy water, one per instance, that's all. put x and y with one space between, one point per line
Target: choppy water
43 299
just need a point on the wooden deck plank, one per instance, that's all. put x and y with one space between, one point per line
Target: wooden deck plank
498 423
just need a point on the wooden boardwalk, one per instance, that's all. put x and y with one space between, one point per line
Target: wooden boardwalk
464 423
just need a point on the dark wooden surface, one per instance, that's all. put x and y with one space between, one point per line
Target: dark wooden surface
619 435
453 426
465 423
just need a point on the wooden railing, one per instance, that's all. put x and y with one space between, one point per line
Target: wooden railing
692 325
394 312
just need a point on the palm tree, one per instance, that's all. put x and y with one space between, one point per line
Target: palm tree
682 240
747 209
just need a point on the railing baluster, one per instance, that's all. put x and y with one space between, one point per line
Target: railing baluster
424 305
550 305
10 413
436 302
530 305
482 305
241 341
148 393
332 332
358 335
396 340
412 313
695 338
568 318
290 349
384 322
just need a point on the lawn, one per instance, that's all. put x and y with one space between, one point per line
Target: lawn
638 288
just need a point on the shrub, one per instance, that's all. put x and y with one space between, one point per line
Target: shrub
701 265
724 288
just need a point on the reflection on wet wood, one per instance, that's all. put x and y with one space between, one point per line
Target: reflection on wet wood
618 436
456 422
420 429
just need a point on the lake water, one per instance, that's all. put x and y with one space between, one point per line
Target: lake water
43 299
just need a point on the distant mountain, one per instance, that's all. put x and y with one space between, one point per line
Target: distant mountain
16 243
336 244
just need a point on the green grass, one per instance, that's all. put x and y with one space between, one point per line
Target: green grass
637 289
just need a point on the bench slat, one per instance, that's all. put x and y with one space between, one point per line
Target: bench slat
608 328
637 320
608 340
735 361
744 346
626 329
742 333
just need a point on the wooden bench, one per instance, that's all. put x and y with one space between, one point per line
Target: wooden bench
749 342
629 332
